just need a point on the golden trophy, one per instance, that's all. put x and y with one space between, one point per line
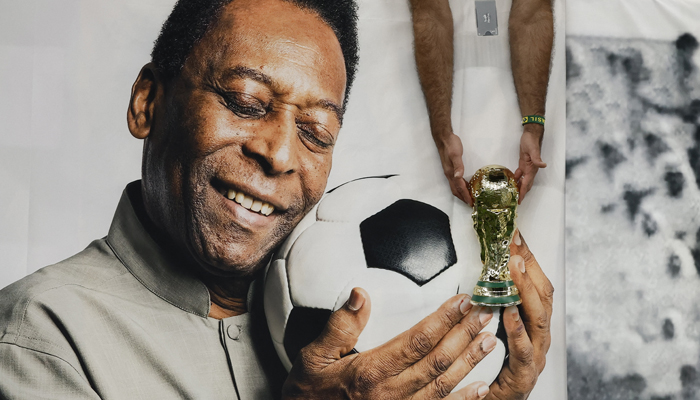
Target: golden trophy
495 195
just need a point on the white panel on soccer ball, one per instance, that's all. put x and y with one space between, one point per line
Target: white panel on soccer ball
358 199
397 304
321 262
305 222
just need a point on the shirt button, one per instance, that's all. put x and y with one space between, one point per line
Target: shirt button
234 331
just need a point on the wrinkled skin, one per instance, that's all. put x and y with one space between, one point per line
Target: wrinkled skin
257 109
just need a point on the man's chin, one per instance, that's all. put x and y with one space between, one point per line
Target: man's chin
221 263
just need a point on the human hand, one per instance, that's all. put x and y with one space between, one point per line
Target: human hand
528 337
450 148
425 362
530 159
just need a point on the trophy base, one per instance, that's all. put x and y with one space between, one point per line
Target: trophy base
496 294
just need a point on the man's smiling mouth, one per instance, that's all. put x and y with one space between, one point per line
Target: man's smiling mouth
247 201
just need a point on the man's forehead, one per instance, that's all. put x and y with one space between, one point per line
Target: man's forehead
275 43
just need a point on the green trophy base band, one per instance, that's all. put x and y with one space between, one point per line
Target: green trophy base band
496 301
495 284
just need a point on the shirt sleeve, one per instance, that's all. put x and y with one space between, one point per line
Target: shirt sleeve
30 374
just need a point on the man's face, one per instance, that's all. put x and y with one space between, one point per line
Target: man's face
255 112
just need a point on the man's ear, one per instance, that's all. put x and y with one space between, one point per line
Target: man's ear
144 93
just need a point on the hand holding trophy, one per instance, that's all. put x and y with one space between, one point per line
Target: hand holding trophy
495 195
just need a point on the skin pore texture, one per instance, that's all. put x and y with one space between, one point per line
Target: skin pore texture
255 112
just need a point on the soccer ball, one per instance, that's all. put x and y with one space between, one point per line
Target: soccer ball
398 244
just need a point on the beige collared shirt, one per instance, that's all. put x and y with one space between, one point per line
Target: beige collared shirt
120 320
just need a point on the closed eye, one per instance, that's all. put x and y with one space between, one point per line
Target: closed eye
245 105
315 135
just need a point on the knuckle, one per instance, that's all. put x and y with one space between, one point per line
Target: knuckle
541 363
542 322
471 330
306 356
471 360
527 255
439 362
526 354
448 319
442 386
419 345
548 290
365 380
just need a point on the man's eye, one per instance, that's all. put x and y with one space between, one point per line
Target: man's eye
316 135
245 106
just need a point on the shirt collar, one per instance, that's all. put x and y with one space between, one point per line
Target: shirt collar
149 263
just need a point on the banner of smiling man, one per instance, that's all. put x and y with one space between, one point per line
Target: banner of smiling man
66 152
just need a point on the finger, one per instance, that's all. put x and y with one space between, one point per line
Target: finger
411 346
525 185
542 283
456 192
463 190
474 391
450 352
457 166
518 174
535 314
441 386
521 352
537 162
342 330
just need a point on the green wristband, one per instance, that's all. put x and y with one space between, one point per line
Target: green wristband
533 119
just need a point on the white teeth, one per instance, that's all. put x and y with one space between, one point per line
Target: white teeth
248 202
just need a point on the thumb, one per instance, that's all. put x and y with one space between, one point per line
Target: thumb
343 328
537 162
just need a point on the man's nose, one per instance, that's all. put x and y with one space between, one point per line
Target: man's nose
274 144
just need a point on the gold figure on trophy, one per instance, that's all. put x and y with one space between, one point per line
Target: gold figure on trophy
495 195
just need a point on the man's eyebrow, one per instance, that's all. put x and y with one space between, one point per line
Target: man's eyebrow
334 108
245 72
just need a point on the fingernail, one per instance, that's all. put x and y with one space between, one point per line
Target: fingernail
356 300
482 391
485 314
488 344
516 238
465 305
513 311
517 262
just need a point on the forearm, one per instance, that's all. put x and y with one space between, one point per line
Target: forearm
433 33
531 30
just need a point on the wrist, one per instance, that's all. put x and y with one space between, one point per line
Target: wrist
442 136
536 129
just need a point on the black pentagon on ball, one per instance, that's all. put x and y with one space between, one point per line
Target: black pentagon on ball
411 238
303 327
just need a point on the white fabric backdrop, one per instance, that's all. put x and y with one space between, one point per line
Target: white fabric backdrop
66 68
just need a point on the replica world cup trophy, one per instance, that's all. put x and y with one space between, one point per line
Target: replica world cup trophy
495 195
